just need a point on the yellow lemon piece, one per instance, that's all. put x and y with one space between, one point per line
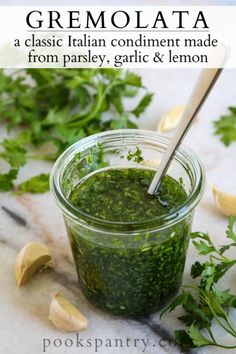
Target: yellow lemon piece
65 316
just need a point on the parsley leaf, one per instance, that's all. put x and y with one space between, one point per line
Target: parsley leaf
230 232
135 156
184 340
225 127
36 184
179 300
6 179
198 338
145 101
197 269
14 153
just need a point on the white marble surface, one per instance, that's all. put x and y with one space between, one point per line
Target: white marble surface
23 312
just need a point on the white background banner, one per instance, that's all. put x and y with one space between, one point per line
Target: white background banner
111 36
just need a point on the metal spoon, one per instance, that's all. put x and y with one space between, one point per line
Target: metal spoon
205 83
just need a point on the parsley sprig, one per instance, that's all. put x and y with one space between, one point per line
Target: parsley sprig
225 127
61 106
206 304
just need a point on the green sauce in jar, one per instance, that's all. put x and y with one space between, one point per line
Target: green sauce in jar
137 274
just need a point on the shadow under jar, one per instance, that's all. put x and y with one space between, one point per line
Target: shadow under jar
125 266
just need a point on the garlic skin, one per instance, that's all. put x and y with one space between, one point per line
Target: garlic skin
30 259
225 202
170 119
65 316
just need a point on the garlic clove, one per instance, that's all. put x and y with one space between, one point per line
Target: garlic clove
170 119
65 316
151 163
225 202
30 259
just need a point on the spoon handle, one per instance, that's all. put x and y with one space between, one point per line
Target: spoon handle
203 87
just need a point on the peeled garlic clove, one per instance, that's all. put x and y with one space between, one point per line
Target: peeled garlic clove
65 316
151 163
31 258
170 119
225 202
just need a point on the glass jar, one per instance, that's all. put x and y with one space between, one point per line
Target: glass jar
134 268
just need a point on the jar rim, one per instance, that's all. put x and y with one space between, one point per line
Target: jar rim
160 222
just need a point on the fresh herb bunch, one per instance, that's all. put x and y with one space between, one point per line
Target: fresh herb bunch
206 304
61 106
225 126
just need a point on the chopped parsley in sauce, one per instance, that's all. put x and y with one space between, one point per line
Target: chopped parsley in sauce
129 273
